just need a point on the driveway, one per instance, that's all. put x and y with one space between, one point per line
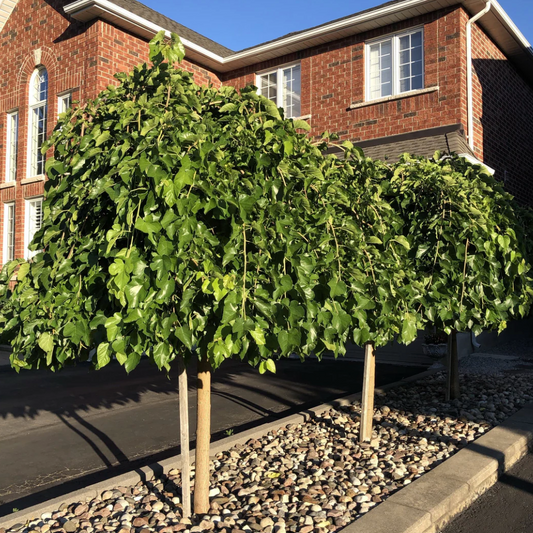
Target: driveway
59 432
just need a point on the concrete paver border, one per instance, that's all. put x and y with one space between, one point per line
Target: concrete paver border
424 506
434 499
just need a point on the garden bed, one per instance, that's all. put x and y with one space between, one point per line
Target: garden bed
312 476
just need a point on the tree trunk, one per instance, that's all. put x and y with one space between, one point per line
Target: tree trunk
452 383
367 400
184 438
203 436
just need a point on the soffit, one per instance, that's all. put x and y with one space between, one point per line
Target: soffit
6 8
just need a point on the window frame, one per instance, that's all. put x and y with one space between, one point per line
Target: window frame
32 166
12 164
395 59
5 256
280 94
27 239
61 102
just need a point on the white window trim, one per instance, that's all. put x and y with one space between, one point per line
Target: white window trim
10 117
279 70
395 49
61 100
29 171
7 205
27 203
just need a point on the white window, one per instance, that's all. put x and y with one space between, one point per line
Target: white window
37 121
12 145
64 103
9 232
283 87
395 65
33 222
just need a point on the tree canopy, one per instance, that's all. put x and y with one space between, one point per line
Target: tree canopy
468 245
181 219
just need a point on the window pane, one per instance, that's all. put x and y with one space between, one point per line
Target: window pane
38 132
416 83
9 232
12 146
404 72
405 85
416 39
292 91
416 68
374 55
65 103
269 87
386 62
404 57
39 89
410 67
380 69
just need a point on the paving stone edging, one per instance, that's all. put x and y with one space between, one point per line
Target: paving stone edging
434 499
424 506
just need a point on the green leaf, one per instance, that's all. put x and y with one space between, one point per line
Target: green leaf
102 138
184 334
270 366
259 336
132 361
409 329
147 225
23 271
300 124
46 343
403 241
337 287
102 355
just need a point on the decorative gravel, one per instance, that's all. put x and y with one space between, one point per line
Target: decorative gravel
313 476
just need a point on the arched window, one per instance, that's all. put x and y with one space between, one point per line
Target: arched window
37 122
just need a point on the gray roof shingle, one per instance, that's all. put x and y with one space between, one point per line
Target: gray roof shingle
424 143
161 20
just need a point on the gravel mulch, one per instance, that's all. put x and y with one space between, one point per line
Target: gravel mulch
311 477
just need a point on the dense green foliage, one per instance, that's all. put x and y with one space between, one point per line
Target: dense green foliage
182 219
373 253
468 244
187 220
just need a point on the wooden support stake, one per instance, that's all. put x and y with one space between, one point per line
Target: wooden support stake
184 438
203 437
452 363
367 400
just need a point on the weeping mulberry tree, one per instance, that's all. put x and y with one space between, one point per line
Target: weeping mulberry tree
468 249
377 287
185 222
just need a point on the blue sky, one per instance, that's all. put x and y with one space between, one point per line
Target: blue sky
239 24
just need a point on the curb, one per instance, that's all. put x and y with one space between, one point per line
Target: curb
433 500
163 467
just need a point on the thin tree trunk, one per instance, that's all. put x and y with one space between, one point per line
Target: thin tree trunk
367 400
452 382
203 436
184 438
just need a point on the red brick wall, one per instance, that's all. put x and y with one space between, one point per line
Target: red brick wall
79 57
120 51
37 33
503 117
333 78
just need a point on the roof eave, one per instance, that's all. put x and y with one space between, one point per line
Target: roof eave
497 23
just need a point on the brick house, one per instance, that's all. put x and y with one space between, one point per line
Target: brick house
393 78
